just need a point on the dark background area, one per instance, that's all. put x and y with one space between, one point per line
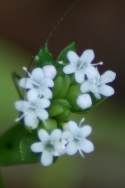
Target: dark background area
24 27
92 24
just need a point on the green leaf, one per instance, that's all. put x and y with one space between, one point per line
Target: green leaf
63 54
55 109
15 146
60 110
44 57
64 116
73 93
49 124
58 82
61 86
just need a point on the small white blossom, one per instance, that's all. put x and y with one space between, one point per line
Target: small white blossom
75 138
49 145
81 66
49 71
39 81
84 101
33 110
98 85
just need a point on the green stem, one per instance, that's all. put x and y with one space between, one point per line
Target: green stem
15 79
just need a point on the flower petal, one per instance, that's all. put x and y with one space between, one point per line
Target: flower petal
85 87
46 92
69 69
37 74
56 135
84 101
106 91
79 76
92 72
71 126
43 135
31 120
86 130
42 114
21 105
48 82
87 146
44 103
25 83
72 57
71 148
88 56
32 95
50 71
108 76
66 137
47 158
59 149
37 147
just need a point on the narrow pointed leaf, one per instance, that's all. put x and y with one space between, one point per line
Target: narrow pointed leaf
63 54
44 57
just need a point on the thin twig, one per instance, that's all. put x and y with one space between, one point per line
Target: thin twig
61 19
58 23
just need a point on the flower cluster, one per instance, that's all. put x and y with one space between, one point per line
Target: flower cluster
70 140
49 96
89 78
38 94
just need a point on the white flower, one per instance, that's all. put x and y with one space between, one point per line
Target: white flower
33 110
98 85
81 66
49 71
75 138
40 81
84 101
49 145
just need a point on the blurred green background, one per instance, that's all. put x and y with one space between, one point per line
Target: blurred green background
92 24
